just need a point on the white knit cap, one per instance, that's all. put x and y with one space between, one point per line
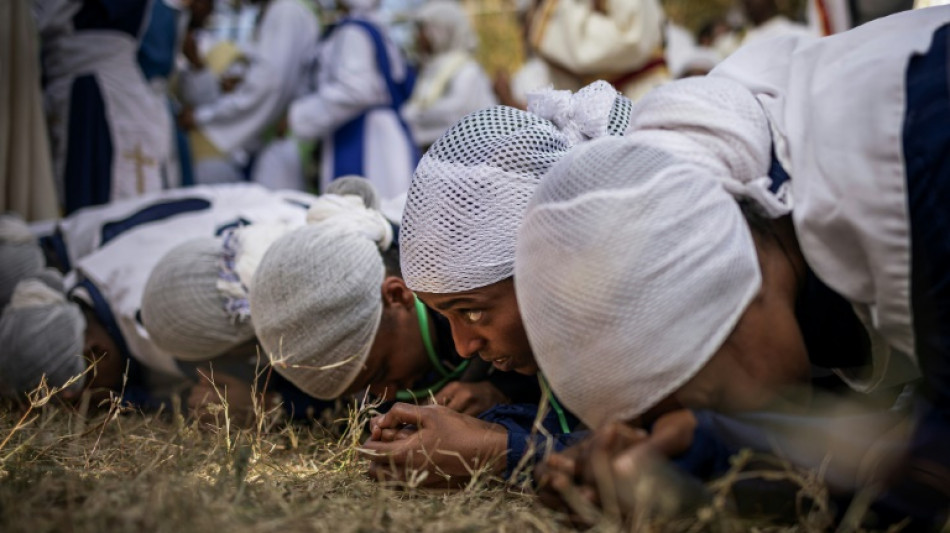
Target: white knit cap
633 267
41 333
594 111
720 126
446 26
195 305
316 302
20 255
469 193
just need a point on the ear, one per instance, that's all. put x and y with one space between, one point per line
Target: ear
396 293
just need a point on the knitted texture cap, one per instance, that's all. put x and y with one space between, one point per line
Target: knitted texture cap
195 303
42 334
632 269
316 301
20 255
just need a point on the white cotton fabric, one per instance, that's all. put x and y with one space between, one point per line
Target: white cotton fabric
446 26
316 303
42 334
718 125
195 302
836 107
633 266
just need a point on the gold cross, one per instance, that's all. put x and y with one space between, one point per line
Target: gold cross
141 161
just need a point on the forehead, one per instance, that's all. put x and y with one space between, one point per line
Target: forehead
488 295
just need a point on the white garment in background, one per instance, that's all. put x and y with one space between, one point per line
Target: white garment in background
590 45
460 86
138 119
836 110
777 26
81 232
287 33
121 268
349 84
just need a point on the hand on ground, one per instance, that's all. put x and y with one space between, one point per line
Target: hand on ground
470 398
444 446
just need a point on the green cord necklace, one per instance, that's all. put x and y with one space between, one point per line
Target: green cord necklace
561 417
447 376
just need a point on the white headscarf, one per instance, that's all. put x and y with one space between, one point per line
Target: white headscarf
42 333
316 302
470 191
195 304
632 268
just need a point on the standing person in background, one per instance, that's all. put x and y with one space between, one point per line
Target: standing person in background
241 121
108 129
620 41
451 83
157 53
362 80
26 175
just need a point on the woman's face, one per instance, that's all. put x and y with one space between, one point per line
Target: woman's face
486 322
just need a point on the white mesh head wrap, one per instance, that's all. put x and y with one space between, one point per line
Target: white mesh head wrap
195 303
316 302
720 126
632 269
41 333
20 255
468 196
595 111
446 26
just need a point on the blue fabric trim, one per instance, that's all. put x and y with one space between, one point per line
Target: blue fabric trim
235 224
104 313
126 16
348 140
297 203
152 213
777 173
57 245
518 420
88 172
926 144
157 50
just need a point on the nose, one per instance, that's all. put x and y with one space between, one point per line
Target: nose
467 341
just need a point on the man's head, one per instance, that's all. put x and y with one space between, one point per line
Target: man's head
639 280
466 201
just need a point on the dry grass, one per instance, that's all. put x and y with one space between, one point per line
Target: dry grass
65 469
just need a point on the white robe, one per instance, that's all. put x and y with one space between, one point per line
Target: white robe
449 87
590 45
836 110
121 268
287 33
82 231
349 84
138 119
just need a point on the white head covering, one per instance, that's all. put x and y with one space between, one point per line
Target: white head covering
717 124
632 268
446 26
469 192
316 302
41 333
195 304
594 111
20 255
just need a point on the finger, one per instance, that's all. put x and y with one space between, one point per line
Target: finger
445 395
402 414
460 402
